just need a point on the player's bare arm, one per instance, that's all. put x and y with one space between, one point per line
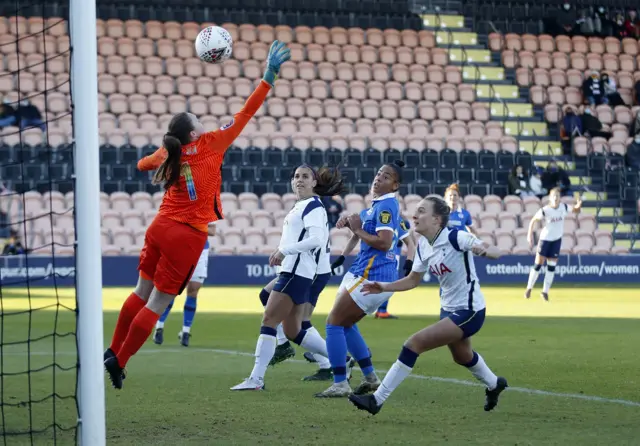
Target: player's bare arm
410 241
351 244
406 283
484 249
382 240
530 230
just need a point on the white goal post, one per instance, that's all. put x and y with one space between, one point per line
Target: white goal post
84 90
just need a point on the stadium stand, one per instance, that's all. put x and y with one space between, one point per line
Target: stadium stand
429 92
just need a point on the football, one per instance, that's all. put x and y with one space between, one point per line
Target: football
214 45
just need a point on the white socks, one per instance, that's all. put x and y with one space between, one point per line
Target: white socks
280 335
391 381
483 373
548 278
314 343
159 325
323 361
186 329
533 277
265 348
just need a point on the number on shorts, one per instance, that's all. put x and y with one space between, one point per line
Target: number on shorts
185 171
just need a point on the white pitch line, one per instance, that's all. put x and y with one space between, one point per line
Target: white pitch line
576 396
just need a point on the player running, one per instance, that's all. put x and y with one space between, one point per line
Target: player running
405 236
176 238
377 230
459 218
153 162
305 232
446 253
550 242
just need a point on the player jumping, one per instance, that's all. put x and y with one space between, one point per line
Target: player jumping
175 239
446 253
152 162
550 242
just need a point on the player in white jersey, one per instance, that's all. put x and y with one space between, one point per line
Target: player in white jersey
305 232
447 254
190 302
550 242
285 350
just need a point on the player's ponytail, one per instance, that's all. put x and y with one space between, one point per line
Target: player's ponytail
329 182
179 134
440 209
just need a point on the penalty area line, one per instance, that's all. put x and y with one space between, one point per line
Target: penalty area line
461 382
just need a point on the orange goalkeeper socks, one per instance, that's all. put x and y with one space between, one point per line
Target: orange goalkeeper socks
129 310
141 327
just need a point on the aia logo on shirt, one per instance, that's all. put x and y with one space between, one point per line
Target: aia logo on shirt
555 219
439 270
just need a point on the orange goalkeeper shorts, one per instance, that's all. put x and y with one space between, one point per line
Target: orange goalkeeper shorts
170 254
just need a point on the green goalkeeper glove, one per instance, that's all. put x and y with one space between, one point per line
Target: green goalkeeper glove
278 54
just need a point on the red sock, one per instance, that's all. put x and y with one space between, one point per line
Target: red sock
141 327
130 308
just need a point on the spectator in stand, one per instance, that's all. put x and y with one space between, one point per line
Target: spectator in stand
555 176
585 23
632 157
634 129
592 126
28 115
636 87
593 90
618 26
13 246
333 210
7 114
611 91
632 24
561 22
535 182
570 128
519 182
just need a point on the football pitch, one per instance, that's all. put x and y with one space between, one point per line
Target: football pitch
572 365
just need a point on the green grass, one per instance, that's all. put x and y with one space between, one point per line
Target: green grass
180 396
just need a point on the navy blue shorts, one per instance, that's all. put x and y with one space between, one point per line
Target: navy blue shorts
550 249
468 320
294 286
319 282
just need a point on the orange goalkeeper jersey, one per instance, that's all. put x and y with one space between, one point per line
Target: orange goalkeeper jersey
195 199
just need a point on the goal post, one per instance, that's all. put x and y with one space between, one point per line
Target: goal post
84 91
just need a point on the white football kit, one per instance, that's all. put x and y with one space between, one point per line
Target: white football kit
308 218
553 221
450 260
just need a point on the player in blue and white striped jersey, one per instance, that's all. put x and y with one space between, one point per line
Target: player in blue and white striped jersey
377 231
305 231
447 254
405 237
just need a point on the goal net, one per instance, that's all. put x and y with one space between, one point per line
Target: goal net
39 313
